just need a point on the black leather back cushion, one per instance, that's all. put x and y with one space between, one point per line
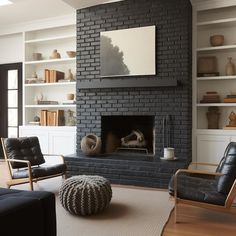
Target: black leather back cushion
26 148
227 167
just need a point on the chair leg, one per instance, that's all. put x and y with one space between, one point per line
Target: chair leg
31 186
175 213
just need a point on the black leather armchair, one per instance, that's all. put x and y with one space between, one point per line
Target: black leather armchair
26 161
212 190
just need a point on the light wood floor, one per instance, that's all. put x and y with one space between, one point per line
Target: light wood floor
193 221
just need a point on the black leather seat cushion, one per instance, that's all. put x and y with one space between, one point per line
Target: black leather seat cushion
40 171
227 167
197 189
26 148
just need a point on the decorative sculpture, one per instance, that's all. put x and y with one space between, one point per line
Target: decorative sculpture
134 139
91 145
232 120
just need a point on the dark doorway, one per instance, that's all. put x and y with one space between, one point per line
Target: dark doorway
10 100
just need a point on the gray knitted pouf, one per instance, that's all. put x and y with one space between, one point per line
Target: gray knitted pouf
85 194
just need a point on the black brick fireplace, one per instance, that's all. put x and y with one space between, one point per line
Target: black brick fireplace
100 107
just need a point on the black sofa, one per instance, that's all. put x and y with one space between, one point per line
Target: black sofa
27 213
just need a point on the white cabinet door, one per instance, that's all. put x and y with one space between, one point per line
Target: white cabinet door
62 142
210 148
41 134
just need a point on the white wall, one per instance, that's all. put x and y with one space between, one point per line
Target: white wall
11 48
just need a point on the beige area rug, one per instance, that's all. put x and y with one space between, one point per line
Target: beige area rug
132 212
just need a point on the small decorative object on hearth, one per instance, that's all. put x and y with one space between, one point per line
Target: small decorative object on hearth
217 40
230 67
85 195
55 55
133 140
213 117
91 145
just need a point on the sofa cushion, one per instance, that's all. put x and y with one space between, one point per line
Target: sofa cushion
227 167
25 148
197 189
40 171
42 213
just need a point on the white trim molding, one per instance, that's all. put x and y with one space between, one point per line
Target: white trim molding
211 4
39 24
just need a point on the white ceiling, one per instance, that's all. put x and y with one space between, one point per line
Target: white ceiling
30 10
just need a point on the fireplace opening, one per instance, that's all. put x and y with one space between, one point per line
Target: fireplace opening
128 134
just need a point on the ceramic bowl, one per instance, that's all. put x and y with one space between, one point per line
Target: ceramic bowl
217 40
71 53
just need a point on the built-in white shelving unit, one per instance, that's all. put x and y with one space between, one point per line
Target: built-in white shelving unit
208 20
44 41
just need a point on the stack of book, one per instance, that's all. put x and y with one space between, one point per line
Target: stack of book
34 81
45 102
230 99
52 118
52 76
211 97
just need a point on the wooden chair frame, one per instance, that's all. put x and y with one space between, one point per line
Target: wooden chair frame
30 179
228 206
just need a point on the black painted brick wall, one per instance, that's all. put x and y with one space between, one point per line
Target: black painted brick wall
173 20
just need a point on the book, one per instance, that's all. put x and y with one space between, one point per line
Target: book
46 75
43 117
60 119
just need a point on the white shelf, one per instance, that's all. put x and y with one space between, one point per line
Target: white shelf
50 61
226 21
50 84
216 104
216 131
226 47
51 106
216 78
50 39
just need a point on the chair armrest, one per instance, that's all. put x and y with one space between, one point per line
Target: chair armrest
191 172
16 160
56 155
197 172
22 161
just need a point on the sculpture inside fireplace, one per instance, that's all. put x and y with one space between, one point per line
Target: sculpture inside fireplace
134 140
